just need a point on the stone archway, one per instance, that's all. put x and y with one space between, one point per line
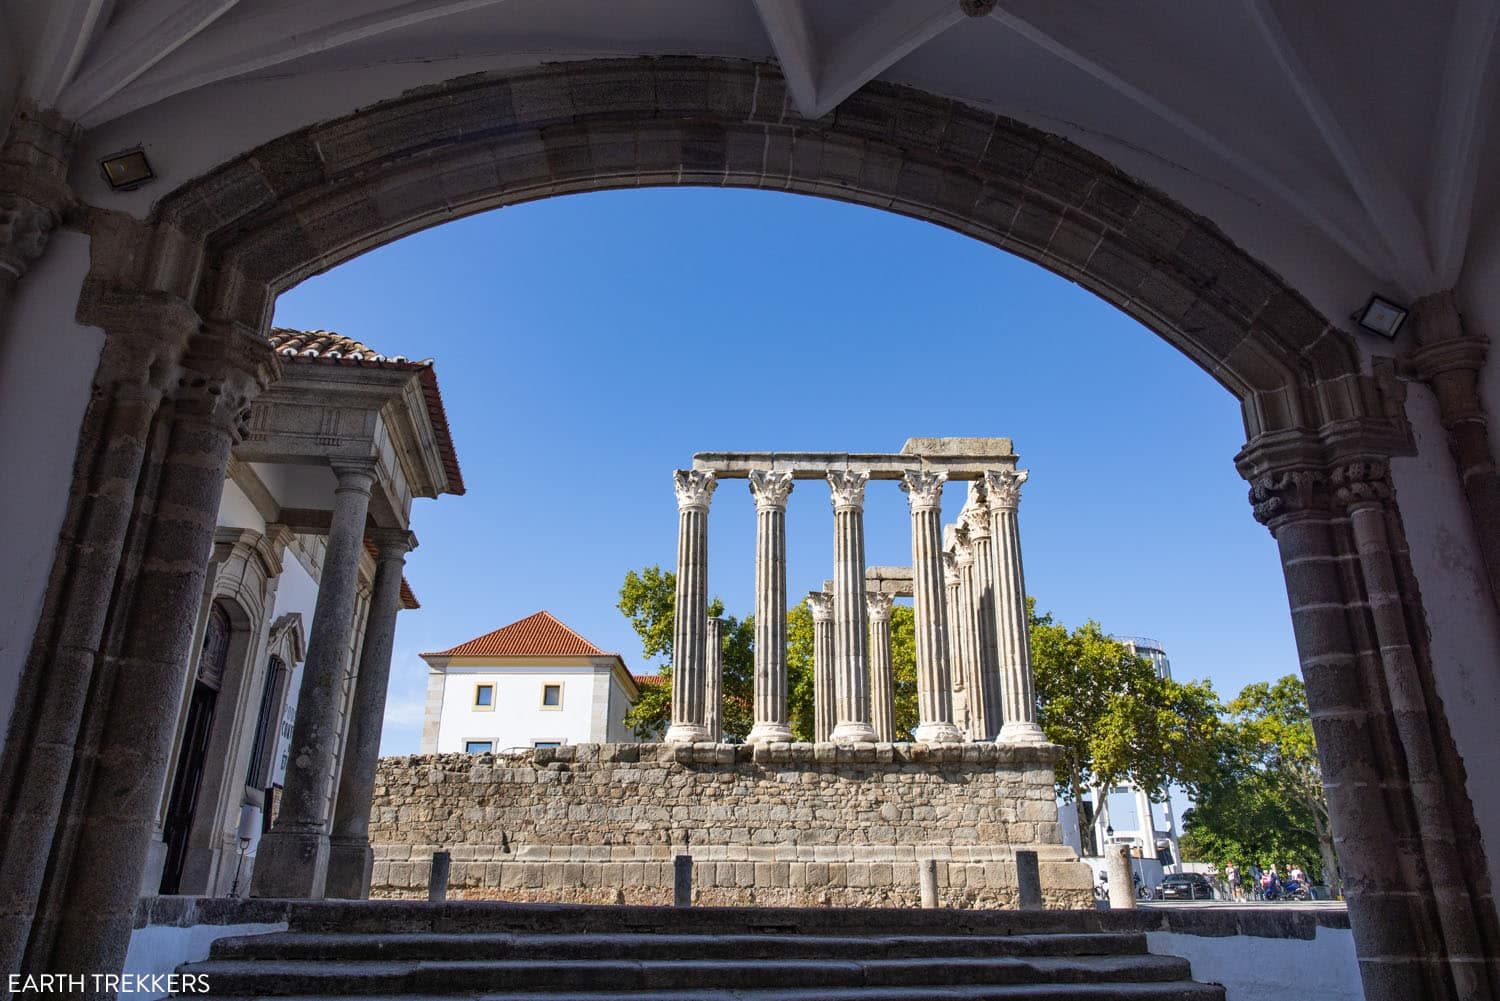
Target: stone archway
185 298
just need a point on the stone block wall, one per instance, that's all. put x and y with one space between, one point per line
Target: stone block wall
782 825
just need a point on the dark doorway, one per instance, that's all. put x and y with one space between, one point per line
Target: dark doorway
190 759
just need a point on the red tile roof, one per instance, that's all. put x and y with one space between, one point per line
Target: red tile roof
647 679
539 635
324 347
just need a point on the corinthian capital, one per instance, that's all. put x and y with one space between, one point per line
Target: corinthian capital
975 519
695 487
924 488
770 488
820 603
848 486
879 606
225 367
1002 487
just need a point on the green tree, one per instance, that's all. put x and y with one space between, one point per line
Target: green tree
1115 718
1265 803
799 660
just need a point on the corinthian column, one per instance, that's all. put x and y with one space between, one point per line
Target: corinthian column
349 855
882 680
984 696
821 605
965 638
924 494
770 489
292 860
690 628
1018 689
713 681
952 619
851 670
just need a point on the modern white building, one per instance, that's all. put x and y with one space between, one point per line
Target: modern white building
533 683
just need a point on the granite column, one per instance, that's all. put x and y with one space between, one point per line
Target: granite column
851 672
821 605
984 695
713 675
1018 688
690 627
770 489
924 495
349 855
882 679
292 860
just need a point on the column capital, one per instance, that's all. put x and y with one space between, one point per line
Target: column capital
976 520
1362 484
393 543
848 488
820 603
950 569
924 488
695 488
879 605
770 488
1002 488
225 367
349 469
1278 497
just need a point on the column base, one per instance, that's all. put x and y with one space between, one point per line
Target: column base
770 733
686 733
938 733
1021 733
853 733
291 865
350 862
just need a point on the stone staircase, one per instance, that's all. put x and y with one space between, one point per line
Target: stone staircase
572 953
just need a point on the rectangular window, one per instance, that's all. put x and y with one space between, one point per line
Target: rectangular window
546 743
552 696
484 696
478 746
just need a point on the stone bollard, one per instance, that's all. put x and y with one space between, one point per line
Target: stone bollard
682 881
1121 885
927 879
1028 881
437 879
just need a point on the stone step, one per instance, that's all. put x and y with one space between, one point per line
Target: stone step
467 946
1176 991
287 977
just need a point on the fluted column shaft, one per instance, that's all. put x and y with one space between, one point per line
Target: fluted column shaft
851 652
1018 688
984 700
350 857
690 624
966 639
770 489
953 619
713 675
824 717
292 859
924 495
882 678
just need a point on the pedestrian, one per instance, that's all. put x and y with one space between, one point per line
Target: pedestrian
1255 878
1232 878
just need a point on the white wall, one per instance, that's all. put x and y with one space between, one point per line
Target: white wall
47 364
517 718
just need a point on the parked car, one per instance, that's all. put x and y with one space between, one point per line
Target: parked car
1185 886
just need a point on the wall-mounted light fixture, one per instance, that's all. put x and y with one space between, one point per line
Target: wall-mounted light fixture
1381 316
127 169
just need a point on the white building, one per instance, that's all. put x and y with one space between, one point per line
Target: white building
533 683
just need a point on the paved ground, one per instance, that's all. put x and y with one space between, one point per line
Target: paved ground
1279 905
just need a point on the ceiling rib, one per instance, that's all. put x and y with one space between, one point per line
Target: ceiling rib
264 41
1345 232
69 29
785 23
1463 117
143 36
880 42
1390 210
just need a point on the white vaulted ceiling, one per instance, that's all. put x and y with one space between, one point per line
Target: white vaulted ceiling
1346 145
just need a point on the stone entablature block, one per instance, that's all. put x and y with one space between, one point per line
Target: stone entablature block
783 823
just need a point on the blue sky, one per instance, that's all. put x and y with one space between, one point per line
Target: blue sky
588 345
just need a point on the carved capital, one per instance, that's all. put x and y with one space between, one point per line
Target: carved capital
1002 488
820 603
879 606
25 226
770 488
975 519
924 488
393 543
848 488
145 336
950 569
1356 484
695 488
1277 496
225 367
